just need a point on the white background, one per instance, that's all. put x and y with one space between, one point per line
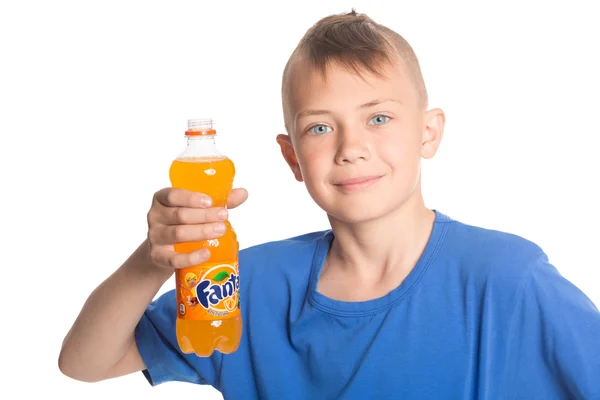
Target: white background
95 97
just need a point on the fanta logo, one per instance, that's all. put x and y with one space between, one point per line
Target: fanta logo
216 296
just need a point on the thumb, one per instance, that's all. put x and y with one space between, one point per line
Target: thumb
236 197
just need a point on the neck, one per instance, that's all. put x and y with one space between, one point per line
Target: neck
201 146
390 244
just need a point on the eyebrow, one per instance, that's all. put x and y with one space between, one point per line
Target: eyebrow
372 103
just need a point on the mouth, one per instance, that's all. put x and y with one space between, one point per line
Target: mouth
359 183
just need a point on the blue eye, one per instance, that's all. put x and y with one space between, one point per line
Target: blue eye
379 120
319 129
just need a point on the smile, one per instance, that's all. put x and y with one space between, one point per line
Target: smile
354 184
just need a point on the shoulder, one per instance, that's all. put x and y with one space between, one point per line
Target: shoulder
290 256
489 244
283 250
489 257
554 332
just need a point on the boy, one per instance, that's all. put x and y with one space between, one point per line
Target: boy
395 301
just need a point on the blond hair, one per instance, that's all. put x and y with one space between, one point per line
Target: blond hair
189 276
357 43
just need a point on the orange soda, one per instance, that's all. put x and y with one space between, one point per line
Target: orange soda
208 302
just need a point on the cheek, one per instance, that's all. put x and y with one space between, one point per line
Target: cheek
314 161
401 152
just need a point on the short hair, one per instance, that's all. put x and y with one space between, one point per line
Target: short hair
355 42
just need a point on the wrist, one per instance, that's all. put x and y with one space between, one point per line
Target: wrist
141 264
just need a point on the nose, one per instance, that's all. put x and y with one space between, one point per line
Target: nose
352 146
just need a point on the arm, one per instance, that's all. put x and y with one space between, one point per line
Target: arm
555 344
101 344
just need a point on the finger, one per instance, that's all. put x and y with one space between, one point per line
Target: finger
172 234
191 216
237 197
177 197
163 255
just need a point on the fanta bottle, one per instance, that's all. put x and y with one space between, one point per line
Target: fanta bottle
208 302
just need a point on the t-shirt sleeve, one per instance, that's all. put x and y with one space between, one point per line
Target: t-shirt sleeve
155 336
554 346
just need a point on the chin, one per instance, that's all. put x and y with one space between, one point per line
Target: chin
355 218
366 207
355 212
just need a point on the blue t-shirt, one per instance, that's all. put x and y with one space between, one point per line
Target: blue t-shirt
483 315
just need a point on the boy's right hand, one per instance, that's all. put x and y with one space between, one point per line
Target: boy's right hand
178 215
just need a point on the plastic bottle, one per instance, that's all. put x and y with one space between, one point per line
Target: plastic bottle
209 316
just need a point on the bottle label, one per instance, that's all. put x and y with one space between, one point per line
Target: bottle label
208 292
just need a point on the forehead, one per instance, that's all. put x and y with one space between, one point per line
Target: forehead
340 86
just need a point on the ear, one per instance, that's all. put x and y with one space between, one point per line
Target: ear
433 130
287 150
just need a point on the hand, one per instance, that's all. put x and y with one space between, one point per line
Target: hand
178 215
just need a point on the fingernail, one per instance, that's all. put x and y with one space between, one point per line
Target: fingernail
219 228
222 214
206 201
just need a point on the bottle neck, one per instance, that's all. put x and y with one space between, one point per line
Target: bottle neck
201 140
201 146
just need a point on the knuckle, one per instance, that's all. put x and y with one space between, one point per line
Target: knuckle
178 261
186 260
171 196
159 196
178 233
154 254
212 216
208 230
203 216
151 216
179 215
191 259
172 262
153 236
150 235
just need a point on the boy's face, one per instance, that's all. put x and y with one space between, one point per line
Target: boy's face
357 141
